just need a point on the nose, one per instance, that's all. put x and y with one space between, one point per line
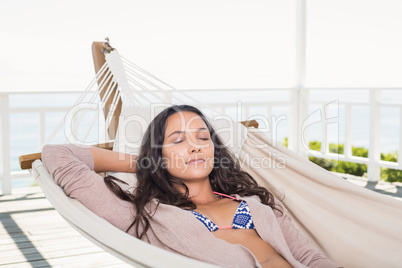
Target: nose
193 147
193 144
194 150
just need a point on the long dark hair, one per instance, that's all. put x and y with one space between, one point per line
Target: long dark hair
155 182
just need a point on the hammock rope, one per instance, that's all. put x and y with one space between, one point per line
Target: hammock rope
133 85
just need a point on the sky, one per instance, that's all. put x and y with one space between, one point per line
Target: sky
211 44
46 44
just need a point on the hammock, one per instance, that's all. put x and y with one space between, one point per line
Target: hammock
354 226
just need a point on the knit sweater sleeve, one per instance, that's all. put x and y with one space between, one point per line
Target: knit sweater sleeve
302 249
71 167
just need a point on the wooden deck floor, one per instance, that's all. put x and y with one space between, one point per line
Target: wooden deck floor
33 234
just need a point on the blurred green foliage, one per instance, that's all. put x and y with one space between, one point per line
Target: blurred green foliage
390 175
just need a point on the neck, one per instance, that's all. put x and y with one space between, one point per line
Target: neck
200 192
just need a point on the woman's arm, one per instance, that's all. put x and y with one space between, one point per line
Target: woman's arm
106 160
73 168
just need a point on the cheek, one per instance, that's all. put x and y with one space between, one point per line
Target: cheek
174 158
210 154
174 152
211 150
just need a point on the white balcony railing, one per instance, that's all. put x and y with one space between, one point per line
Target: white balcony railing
375 103
285 110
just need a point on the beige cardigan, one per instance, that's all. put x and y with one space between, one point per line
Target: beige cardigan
173 228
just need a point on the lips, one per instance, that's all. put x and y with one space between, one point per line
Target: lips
196 161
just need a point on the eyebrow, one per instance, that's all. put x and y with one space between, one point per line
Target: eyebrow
179 131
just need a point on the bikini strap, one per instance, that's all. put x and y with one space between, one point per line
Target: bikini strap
225 195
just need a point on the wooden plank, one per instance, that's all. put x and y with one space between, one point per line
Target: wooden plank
51 236
72 242
35 229
32 254
250 123
99 60
97 259
27 160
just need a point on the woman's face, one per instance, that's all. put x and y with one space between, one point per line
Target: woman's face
188 150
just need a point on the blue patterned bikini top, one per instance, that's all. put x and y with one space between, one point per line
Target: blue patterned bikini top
242 218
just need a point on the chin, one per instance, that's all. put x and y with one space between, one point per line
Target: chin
195 177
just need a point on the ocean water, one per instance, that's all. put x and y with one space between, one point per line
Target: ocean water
24 127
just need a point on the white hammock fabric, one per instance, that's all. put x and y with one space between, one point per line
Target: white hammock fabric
354 226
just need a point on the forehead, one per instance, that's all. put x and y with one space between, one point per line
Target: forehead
184 121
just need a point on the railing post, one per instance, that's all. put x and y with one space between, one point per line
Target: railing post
5 144
374 154
42 129
324 130
400 138
299 110
347 147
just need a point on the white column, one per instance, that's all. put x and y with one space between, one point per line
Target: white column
5 144
300 43
373 169
300 96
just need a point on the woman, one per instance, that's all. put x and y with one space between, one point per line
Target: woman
191 196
